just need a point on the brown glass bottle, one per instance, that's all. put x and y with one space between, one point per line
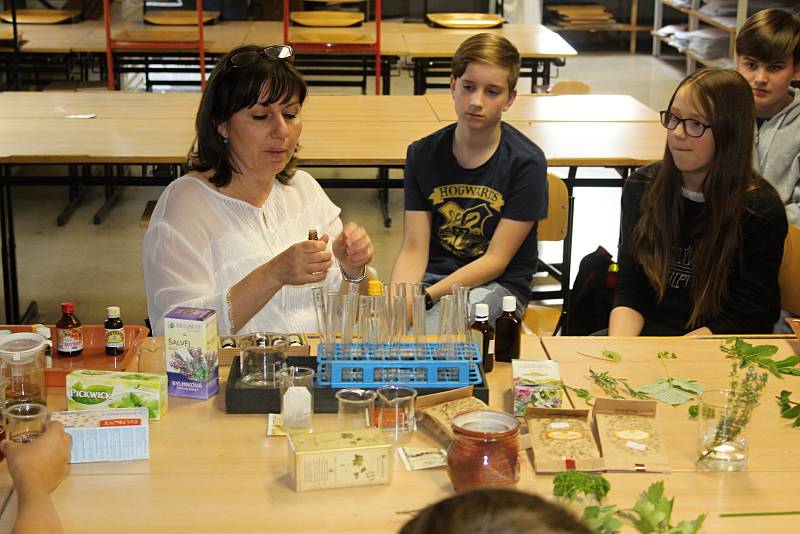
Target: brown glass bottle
69 334
485 334
114 331
507 332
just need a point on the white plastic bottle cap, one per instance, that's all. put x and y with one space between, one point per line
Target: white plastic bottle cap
509 303
113 312
481 311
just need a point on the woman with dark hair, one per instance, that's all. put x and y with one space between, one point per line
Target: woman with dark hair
232 234
702 232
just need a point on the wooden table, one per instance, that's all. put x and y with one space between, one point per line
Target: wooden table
214 472
560 108
339 131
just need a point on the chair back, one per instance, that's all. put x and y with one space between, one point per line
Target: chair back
554 227
789 274
571 88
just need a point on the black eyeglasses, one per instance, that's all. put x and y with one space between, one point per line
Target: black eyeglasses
273 53
693 128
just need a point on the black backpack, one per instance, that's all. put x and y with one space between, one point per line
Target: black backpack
592 294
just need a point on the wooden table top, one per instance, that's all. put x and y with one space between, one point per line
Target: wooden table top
560 108
128 140
103 104
214 472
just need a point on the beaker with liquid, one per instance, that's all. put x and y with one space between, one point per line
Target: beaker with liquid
22 361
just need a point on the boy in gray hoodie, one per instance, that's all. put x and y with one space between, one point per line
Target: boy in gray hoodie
768 56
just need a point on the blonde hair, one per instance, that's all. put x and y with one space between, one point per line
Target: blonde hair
491 49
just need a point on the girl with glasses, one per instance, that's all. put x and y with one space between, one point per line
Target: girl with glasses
232 234
702 233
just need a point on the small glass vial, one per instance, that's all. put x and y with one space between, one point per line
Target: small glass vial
507 331
485 335
114 332
69 334
313 236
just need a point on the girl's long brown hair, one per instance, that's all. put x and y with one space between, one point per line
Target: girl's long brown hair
726 100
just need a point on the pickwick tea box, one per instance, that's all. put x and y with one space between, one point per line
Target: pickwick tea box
191 351
628 435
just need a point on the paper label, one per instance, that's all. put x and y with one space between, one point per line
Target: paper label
415 458
297 408
275 425
69 339
558 425
635 445
115 338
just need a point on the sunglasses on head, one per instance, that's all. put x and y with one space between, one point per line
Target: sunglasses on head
272 53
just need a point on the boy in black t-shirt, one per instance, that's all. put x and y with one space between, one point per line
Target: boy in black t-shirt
474 190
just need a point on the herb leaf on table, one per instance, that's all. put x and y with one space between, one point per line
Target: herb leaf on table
789 408
760 356
672 390
611 386
602 519
570 484
654 513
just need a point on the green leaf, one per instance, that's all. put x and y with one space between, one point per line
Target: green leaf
691 527
795 371
653 508
669 392
791 361
791 413
570 484
611 355
601 519
694 411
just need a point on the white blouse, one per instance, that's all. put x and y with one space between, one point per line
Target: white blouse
200 243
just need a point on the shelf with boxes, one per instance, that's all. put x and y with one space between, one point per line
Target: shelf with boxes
569 16
709 35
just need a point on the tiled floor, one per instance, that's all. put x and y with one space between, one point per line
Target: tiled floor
99 266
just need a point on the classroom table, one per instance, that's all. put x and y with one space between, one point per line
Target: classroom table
212 472
339 131
430 49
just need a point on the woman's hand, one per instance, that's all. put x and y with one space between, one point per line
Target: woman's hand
353 249
305 262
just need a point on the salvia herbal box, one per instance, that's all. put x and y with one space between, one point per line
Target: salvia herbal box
107 435
191 352
339 459
628 435
537 384
95 390
562 440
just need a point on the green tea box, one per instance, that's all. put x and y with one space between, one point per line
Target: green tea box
93 390
339 459
191 343
537 384
107 435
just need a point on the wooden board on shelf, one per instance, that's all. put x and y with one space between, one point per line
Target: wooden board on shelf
173 36
41 16
465 20
178 17
331 37
326 19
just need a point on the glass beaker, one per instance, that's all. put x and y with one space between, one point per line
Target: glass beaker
356 408
25 421
22 361
297 398
395 413
485 451
722 444
259 365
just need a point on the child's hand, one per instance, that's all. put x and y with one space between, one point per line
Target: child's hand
41 465
353 249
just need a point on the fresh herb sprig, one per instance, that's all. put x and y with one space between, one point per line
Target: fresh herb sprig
744 395
651 514
580 393
760 356
614 387
570 484
671 390
607 355
789 408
